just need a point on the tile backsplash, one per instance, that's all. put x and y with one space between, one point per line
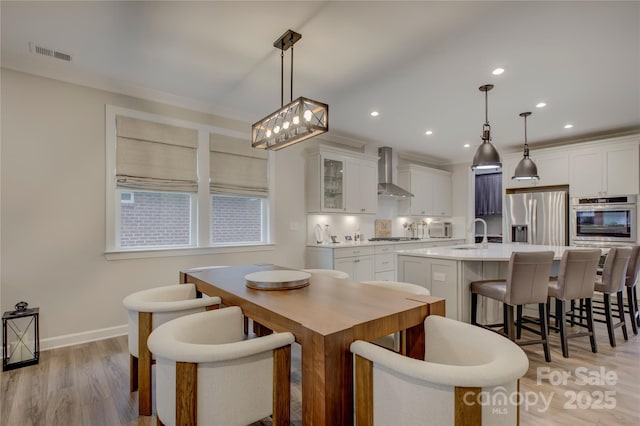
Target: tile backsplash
343 225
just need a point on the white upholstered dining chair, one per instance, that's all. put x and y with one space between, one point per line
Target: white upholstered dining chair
148 309
207 374
469 375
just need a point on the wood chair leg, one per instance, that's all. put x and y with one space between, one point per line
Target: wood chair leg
282 386
465 413
509 323
573 313
542 308
363 400
145 325
505 322
549 316
474 308
609 318
560 307
635 303
133 373
633 297
519 321
621 314
245 325
633 309
186 394
592 333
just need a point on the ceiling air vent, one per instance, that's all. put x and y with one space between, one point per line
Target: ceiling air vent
34 48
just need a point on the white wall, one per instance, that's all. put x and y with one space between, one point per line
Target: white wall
53 208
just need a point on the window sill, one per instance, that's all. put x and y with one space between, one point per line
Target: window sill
188 251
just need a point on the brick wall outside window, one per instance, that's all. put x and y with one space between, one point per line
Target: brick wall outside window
236 219
155 219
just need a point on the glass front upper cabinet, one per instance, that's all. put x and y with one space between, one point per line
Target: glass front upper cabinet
333 184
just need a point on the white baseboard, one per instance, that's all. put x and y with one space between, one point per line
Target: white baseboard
84 337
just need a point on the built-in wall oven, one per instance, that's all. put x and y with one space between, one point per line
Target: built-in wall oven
604 221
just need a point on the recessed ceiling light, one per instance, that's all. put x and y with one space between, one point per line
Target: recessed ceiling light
466 145
428 132
541 105
375 113
497 71
568 126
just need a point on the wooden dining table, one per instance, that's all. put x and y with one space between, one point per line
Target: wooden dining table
325 317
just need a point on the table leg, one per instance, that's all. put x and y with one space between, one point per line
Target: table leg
414 336
327 379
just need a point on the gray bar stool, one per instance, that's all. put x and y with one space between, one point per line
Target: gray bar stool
613 280
527 282
633 273
576 281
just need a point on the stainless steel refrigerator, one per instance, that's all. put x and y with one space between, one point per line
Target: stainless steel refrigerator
537 218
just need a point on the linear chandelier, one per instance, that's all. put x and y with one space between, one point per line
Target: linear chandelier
487 156
299 120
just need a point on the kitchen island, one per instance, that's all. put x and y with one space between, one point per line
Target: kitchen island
367 260
448 271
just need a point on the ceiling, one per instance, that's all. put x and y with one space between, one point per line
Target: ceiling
419 64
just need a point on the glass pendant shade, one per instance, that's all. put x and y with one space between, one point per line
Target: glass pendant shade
526 168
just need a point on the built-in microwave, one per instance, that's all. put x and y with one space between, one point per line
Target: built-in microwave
602 221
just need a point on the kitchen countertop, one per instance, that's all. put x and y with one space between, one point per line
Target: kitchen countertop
381 243
494 252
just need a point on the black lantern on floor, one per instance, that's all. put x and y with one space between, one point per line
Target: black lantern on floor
20 337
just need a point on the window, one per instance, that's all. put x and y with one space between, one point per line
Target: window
155 219
158 168
239 191
237 219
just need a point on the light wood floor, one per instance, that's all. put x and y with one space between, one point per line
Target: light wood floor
88 385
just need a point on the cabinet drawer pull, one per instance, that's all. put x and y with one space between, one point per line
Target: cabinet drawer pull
356 261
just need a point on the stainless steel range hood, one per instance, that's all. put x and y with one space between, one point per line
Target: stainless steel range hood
386 186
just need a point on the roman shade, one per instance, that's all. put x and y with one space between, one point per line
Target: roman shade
236 168
155 156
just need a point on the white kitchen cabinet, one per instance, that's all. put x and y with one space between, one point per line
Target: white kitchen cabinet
359 268
357 261
610 169
416 181
362 186
385 262
431 189
441 194
553 169
338 181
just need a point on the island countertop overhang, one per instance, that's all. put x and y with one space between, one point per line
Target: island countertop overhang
493 252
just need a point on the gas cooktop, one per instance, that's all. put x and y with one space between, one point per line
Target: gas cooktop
394 239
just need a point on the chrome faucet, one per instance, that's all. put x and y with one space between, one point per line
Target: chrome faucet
485 242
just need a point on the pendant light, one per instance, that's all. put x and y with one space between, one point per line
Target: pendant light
526 168
294 122
487 156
